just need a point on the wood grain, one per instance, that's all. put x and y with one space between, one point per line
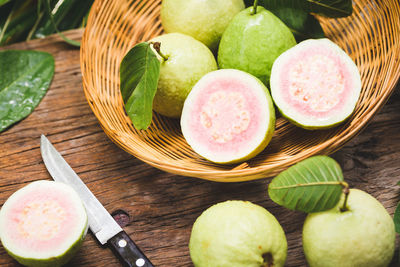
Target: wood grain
163 206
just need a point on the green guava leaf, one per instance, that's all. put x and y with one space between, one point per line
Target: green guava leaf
396 218
15 20
139 74
66 14
312 185
54 25
3 2
327 8
25 77
302 24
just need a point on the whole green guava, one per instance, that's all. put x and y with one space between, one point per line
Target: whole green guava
204 20
187 61
252 42
237 233
362 236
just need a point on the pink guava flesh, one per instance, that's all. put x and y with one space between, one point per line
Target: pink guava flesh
225 115
220 130
310 93
42 220
315 83
43 224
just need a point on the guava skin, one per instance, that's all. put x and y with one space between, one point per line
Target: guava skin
55 261
237 233
363 236
188 61
205 20
251 43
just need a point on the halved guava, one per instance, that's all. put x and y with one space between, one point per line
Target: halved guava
315 84
43 224
228 116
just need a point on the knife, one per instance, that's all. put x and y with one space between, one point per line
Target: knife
101 223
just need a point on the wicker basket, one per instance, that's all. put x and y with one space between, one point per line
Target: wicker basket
371 36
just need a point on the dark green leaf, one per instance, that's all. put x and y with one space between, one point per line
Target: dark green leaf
312 185
19 21
18 29
40 14
22 20
66 14
396 219
327 8
76 15
303 25
55 27
24 79
3 2
250 2
139 74
55 10
330 8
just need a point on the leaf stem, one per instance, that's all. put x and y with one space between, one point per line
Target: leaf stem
309 184
254 11
5 26
346 192
34 27
65 38
157 47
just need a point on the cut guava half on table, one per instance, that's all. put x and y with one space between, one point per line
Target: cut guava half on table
228 117
43 224
315 84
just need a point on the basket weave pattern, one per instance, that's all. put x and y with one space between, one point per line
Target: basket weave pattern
371 36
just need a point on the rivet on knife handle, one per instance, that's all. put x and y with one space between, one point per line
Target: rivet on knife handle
127 251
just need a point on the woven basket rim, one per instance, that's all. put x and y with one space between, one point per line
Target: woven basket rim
236 173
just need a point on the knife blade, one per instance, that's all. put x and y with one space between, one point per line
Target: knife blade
101 223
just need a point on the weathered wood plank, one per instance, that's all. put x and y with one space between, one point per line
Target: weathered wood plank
163 206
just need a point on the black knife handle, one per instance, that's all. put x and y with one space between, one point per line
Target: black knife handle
127 251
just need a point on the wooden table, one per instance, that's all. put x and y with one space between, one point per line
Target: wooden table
163 206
